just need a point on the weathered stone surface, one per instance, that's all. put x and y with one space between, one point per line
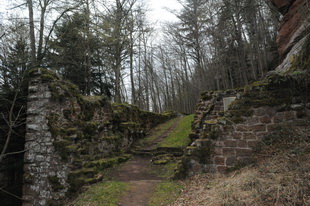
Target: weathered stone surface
242 143
243 152
292 54
231 161
219 160
229 151
230 143
294 24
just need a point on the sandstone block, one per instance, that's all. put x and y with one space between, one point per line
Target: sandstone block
265 119
243 152
230 143
218 151
249 135
252 120
219 143
229 151
242 128
231 161
237 135
219 160
253 143
272 127
242 143
257 128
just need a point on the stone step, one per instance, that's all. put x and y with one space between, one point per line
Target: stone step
175 151
142 152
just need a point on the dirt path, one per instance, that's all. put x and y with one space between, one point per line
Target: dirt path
139 174
142 181
162 136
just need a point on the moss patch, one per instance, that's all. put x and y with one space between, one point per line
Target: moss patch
302 60
104 194
56 185
165 193
108 162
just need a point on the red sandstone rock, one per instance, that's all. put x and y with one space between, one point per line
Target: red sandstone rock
219 160
229 151
295 14
244 152
242 143
230 143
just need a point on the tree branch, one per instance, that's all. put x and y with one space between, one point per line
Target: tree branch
2 35
10 194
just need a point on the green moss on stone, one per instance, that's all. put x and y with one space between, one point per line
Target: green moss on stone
207 95
90 129
160 162
302 59
56 185
53 119
108 162
65 148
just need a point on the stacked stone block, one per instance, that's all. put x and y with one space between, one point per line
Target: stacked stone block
225 143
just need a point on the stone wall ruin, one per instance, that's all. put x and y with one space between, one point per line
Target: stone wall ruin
71 138
225 140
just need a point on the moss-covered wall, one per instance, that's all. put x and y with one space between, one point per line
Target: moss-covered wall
224 140
72 138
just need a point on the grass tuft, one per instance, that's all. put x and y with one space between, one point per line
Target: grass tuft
179 136
165 193
103 194
157 131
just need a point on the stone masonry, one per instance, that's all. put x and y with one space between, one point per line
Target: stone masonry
70 138
226 140
41 160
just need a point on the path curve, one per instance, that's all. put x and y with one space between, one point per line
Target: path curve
139 174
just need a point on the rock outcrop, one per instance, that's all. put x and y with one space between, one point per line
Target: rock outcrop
293 33
294 24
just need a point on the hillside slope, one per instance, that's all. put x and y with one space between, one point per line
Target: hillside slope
280 176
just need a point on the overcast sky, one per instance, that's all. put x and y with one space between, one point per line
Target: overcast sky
159 11
157 6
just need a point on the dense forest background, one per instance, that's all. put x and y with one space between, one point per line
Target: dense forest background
112 48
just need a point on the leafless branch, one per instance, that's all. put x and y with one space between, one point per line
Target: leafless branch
10 194
2 35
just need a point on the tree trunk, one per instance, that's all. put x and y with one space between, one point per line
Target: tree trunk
31 34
